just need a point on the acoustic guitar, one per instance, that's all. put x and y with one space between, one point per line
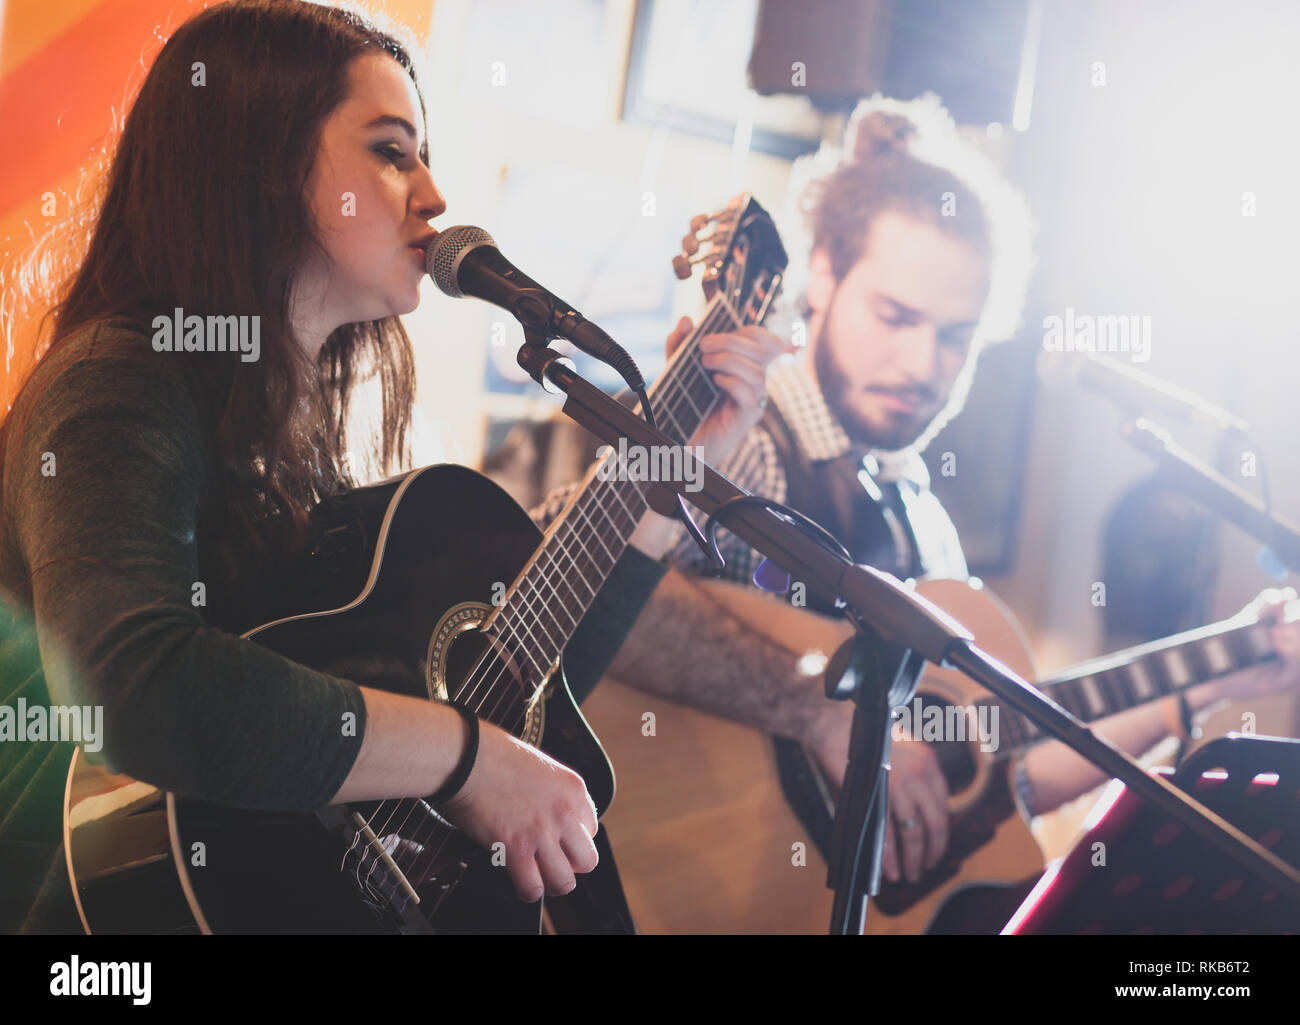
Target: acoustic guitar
707 841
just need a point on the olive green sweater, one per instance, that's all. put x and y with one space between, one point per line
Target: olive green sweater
100 546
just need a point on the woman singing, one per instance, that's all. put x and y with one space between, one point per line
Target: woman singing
275 165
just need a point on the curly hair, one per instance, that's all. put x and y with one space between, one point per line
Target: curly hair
908 157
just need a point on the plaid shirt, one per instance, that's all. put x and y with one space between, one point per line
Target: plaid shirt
756 466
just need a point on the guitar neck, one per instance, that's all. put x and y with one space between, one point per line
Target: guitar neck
1101 687
548 599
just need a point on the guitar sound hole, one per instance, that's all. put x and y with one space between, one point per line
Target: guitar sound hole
483 677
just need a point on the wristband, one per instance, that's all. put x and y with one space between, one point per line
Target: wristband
463 767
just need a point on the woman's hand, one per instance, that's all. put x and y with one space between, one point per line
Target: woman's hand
537 807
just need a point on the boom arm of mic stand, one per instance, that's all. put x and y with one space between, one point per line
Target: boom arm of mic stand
1211 489
904 618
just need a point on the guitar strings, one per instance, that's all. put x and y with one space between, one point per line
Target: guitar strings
551 551
678 400
693 373
582 515
596 496
511 630
524 612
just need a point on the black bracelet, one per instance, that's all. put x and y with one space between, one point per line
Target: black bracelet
463 767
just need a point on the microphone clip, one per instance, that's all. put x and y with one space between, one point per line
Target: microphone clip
536 358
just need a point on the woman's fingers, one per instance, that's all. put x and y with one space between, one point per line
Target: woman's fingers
556 871
523 868
579 848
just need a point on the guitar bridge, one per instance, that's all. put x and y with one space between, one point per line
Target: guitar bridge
384 886
392 886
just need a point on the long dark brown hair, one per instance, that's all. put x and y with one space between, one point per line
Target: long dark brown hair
204 207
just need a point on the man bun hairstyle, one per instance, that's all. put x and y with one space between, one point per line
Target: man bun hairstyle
908 157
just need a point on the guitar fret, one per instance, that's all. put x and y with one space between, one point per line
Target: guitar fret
1129 682
1258 644
686 392
1072 699
1159 675
524 650
1217 655
549 579
1144 674
591 552
1097 704
1060 693
1112 692
1012 726
586 546
703 385
1239 648
1180 673
1198 661
594 531
628 515
671 421
539 612
1142 685
574 555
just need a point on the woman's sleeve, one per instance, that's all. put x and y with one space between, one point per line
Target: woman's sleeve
104 486
606 625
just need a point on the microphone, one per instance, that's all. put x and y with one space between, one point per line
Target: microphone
465 261
1138 392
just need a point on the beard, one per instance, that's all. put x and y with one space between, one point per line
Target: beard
896 429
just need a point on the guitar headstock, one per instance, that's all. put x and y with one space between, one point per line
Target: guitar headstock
741 253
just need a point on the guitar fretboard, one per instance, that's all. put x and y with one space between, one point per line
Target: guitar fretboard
1138 675
547 602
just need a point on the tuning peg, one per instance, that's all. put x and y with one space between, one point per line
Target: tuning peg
690 244
699 221
682 264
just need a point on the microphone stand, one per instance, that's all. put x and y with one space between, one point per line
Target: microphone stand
881 607
1201 482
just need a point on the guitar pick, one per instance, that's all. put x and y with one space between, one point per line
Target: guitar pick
771 577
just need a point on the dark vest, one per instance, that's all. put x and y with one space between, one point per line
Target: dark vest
896 526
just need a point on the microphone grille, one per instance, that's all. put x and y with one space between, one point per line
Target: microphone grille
442 261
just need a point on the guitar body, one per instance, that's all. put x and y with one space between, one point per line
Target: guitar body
704 834
392 600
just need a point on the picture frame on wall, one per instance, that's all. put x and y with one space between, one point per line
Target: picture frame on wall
714 100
